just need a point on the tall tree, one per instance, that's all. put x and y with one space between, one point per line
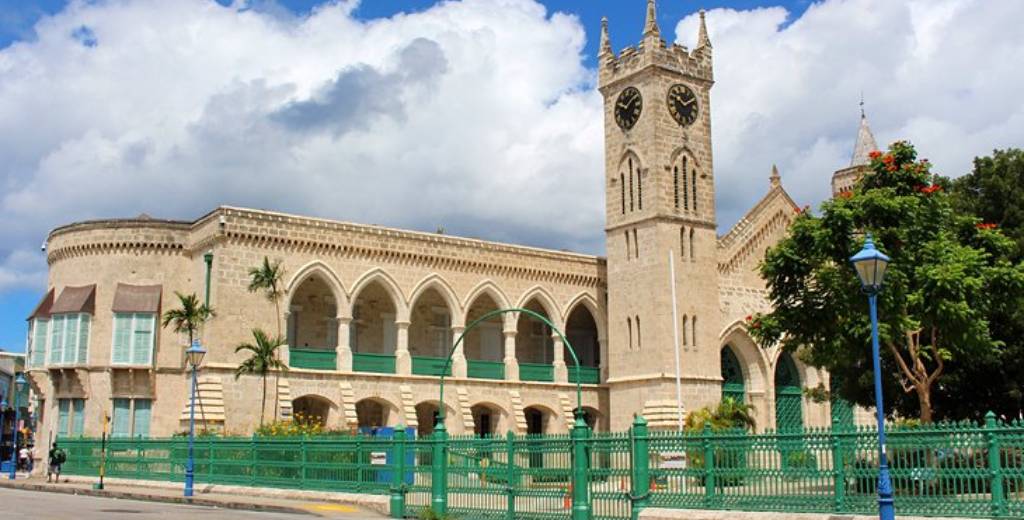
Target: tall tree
189 317
950 275
994 191
268 277
261 362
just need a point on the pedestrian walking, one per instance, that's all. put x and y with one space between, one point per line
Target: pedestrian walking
56 459
23 458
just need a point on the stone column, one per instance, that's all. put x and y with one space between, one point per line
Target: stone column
561 374
459 363
602 349
343 352
511 363
403 361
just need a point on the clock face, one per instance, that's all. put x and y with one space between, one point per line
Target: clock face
682 104
628 108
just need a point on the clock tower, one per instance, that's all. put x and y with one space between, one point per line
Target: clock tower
660 202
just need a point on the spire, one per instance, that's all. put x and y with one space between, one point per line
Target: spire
651 22
775 179
606 42
865 140
702 35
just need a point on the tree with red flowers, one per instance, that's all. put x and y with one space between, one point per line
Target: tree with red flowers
950 273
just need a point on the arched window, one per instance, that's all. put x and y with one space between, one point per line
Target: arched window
622 188
693 331
691 243
682 243
686 192
629 327
636 245
627 243
638 342
685 320
693 179
639 191
631 200
675 185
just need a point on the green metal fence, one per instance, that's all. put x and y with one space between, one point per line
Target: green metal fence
941 470
318 359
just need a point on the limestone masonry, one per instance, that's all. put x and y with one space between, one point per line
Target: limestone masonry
369 312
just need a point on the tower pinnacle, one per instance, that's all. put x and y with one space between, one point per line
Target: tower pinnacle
865 140
702 35
775 179
651 22
606 43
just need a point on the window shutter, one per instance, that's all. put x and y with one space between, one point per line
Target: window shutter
142 344
70 341
143 407
57 340
83 339
122 418
39 333
122 339
63 406
78 417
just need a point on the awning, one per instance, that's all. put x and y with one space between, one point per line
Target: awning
76 299
43 309
137 298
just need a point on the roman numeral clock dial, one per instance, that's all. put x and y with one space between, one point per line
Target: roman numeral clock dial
628 108
682 104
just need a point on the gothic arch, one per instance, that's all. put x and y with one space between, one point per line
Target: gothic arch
626 156
316 267
490 288
439 284
752 358
317 407
390 286
545 300
681 151
587 300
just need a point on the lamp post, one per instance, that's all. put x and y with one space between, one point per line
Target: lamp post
19 384
870 265
193 356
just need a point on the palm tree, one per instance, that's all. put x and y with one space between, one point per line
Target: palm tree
263 360
728 415
189 317
267 277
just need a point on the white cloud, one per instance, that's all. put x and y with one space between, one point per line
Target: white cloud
477 115
941 73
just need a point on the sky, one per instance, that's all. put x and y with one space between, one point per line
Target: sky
421 114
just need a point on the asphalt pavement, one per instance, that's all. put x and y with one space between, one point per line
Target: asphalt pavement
41 505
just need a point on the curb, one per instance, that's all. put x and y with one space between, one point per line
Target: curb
147 497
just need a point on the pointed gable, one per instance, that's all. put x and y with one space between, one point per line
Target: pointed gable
865 143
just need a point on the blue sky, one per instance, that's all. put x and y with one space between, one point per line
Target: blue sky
417 114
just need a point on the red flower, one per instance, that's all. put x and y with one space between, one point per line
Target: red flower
875 154
749 317
985 225
888 158
890 168
931 189
846 194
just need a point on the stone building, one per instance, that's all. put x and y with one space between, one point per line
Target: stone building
370 312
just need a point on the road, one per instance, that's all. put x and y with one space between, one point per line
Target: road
39 505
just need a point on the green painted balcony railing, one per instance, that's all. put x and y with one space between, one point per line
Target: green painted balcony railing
536 372
486 369
316 359
588 375
429 366
376 363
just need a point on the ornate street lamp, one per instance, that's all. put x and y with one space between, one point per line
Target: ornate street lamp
19 384
193 356
871 264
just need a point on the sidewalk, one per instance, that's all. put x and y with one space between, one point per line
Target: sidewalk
253 499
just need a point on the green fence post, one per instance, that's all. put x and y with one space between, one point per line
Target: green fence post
305 458
709 467
641 474
995 466
439 471
398 474
209 453
138 457
252 459
510 475
838 471
580 463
